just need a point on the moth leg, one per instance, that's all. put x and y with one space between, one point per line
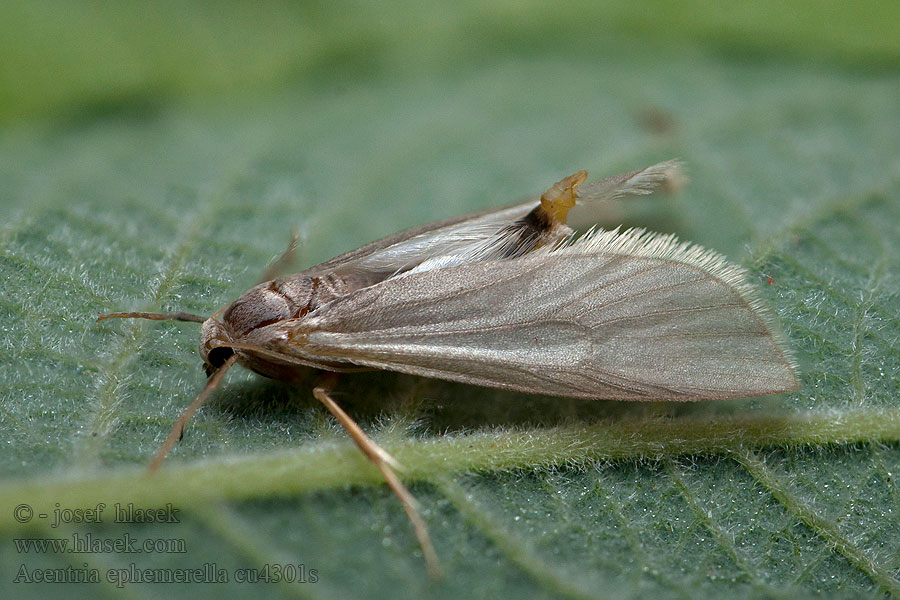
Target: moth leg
178 429
282 262
386 464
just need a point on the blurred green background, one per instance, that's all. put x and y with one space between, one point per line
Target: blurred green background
59 56
155 156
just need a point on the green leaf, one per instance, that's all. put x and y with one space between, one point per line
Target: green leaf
148 178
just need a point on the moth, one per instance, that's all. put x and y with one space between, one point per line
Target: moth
514 299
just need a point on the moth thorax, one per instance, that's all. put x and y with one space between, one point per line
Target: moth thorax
266 304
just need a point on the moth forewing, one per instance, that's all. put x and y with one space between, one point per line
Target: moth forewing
629 316
509 298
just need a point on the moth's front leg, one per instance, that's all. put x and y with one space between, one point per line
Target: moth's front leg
177 432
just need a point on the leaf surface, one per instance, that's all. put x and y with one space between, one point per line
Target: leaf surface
152 194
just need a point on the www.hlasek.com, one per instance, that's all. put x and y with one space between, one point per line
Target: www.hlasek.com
86 543
207 573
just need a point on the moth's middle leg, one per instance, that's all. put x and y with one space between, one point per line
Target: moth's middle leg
386 464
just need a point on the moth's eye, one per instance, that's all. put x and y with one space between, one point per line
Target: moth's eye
257 308
216 358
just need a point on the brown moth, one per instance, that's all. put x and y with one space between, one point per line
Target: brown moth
512 299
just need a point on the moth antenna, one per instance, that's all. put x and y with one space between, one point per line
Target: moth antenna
178 429
278 266
387 464
180 316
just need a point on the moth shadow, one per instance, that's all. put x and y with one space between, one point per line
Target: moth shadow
437 407
265 400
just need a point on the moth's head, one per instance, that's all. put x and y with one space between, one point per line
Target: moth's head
212 335
263 305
